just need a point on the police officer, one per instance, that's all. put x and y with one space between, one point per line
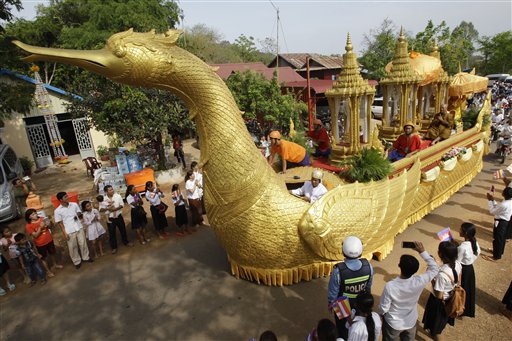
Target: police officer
349 278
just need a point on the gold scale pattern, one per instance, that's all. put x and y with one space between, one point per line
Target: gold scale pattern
270 236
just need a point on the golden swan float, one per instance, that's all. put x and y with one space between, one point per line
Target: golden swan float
270 236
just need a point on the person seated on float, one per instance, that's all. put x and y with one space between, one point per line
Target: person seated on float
312 190
441 126
292 154
321 140
406 145
505 134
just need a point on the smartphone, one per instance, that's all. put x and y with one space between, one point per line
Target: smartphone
408 245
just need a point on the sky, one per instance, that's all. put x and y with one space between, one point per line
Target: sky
321 26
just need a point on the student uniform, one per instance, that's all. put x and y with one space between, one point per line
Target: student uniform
466 257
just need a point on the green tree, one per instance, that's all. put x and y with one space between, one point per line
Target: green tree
497 52
132 114
458 50
6 7
246 48
262 99
379 48
207 44
15 96
423 42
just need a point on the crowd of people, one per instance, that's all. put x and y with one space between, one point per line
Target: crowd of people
34 253
396 315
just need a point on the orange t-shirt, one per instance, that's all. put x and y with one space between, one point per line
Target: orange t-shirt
289 151
44 238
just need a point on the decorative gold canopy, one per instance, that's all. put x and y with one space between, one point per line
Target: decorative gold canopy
349 80
428 68
400 70
464 83
353 95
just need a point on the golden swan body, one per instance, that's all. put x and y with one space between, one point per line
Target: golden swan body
270 236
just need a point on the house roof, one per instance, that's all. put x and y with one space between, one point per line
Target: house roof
298 60
284 75
225 70
33 81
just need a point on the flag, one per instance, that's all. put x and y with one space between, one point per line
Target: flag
445 235
342 307
500 173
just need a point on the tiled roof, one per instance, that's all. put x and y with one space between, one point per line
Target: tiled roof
284 75
298 60
227 69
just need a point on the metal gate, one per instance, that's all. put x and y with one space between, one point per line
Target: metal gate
83 138
39 145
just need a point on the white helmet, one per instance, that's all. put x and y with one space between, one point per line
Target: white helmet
352 247
317 174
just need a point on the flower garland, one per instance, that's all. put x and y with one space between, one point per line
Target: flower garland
57 143
454 152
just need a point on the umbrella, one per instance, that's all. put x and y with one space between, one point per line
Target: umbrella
464 83
428 67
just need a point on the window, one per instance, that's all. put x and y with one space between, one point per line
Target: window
11 158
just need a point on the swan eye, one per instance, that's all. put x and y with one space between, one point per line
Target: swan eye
120 52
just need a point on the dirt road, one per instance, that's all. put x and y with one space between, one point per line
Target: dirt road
181 289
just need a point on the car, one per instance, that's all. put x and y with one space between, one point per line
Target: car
377 108
10 169
496 77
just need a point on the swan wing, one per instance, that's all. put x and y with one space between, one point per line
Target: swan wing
375 212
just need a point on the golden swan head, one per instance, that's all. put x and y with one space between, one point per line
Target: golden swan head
133 58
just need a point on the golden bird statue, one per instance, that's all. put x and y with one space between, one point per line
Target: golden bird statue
270 236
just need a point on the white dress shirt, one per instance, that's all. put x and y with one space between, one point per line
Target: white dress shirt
116 201
192 189
357 331
399 299
443 280
199 178
154 198
502 210
313 193
69 217
465 253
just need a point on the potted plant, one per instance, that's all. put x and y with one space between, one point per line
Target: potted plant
103 153
368 165
26 164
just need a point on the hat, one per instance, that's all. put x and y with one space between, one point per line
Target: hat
409 123
316 121
317 174
352 247
275 135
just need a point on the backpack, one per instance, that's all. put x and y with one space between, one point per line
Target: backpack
455 304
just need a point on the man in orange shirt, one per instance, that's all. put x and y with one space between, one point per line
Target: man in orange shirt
320 139
292 154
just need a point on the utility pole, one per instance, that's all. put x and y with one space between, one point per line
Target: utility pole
277 43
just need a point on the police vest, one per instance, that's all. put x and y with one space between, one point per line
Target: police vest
353 282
